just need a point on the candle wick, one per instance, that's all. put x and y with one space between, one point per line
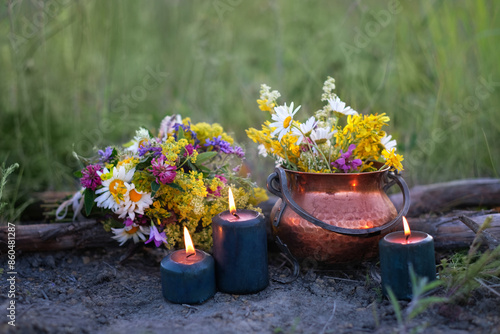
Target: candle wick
407 237
236 215
191 254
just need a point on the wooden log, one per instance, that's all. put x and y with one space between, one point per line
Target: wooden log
448 231
442 197
59 236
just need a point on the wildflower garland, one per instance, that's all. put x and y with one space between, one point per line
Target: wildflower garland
337 139
153 186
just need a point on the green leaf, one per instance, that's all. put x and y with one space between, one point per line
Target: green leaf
202 157
180 134
395 305
205 169
155 186
130 143
175 186
89 198
78 174
143 165
192 166
114 153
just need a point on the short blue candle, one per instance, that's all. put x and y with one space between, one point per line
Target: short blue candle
398 254
240 252
187 279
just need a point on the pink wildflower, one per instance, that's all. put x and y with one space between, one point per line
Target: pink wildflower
90 179
164 172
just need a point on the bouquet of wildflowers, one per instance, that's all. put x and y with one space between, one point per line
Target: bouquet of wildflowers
337 139
154 185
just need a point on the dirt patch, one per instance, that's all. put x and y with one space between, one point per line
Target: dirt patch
90 292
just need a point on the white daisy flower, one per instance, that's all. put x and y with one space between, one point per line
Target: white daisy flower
114 188
340 107
262 150
321 135
167 125
141 137
134 201
283 118
305 129
133 231
388 143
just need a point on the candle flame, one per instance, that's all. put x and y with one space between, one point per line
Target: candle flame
232 206
407 228
188 242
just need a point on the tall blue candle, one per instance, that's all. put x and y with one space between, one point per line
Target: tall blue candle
240 251
400 251
188 276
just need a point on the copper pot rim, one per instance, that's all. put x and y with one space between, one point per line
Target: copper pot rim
342 174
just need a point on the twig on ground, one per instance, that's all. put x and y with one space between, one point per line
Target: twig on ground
130 251
480 281
329 319
114 269
345 279
126 287
487 237
190 308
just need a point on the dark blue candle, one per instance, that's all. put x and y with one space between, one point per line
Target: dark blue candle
240 252
399 253
188 276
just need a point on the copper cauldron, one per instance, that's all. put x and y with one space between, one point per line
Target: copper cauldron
333 218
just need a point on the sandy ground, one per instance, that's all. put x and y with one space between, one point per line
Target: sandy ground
91 292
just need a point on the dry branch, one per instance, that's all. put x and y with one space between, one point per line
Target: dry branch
442 197
449 232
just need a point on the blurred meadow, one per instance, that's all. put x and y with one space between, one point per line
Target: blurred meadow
77 75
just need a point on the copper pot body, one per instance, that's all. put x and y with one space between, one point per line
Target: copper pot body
351 200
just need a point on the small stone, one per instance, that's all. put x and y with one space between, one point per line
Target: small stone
34 261
49 261
104 277
85 259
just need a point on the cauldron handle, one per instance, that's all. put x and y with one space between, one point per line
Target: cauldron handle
278 185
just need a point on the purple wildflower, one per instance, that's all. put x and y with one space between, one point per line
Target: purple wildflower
164 172
220 145
144 149
106 154
187 130
128 222
158 237
90 179
238 151
344 163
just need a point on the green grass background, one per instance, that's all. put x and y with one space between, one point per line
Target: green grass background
64 66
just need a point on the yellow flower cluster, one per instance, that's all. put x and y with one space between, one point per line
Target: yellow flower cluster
392 159
286 149
336 139
265 105
365 131
194 205
206 131
172 148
